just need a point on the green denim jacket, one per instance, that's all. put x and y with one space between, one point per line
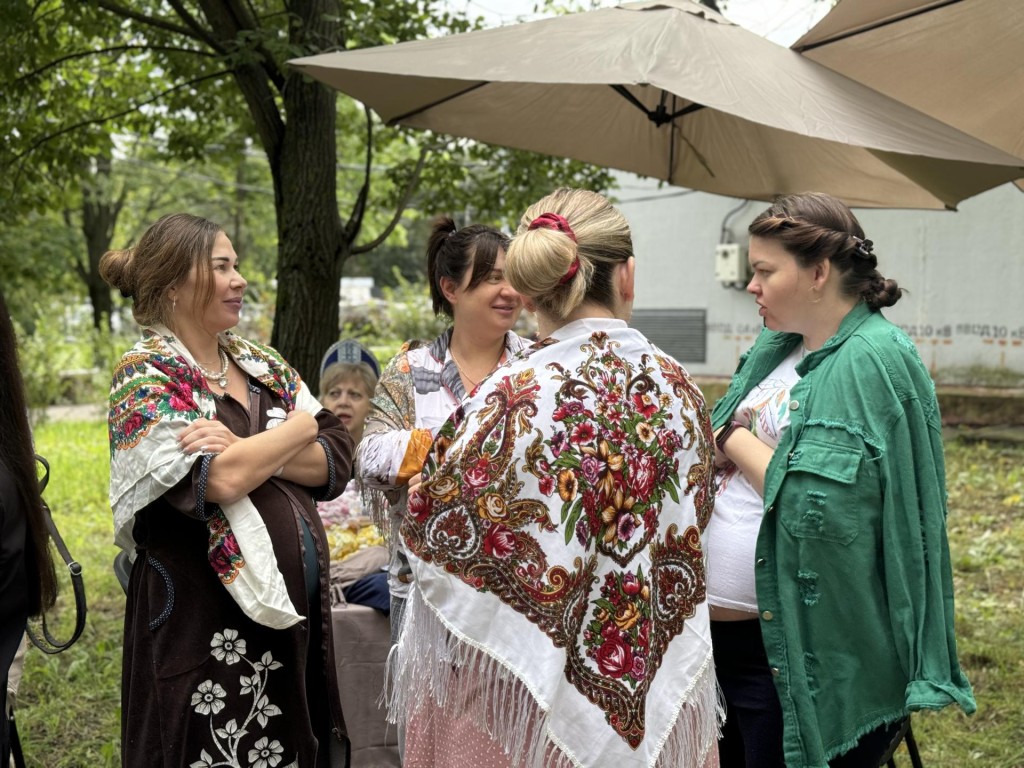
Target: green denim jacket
854 584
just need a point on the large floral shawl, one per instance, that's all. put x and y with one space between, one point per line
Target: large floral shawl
416 394
556 546
157 391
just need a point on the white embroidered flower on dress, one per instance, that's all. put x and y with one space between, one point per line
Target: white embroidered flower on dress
208 698
227 738
266 662
276 416
264 710
250 684
266 753
227 647
231 730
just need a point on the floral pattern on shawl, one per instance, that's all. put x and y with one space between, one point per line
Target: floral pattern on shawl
606 460
148 386
157 389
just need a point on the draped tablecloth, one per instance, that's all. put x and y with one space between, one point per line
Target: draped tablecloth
362 639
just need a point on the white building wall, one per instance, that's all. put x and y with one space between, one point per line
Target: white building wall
964 271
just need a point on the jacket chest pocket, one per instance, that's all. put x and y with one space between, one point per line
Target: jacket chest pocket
825 495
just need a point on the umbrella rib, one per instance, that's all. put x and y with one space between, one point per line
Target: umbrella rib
659 116
876 25
431 105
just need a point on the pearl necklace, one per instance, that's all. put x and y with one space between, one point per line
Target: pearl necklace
222 377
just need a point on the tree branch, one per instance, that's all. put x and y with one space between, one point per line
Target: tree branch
195 26
355 221
166 26
111 49
75 258
399 209
100 120
118 207
250 22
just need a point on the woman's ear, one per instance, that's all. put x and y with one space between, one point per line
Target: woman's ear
627 279
821 273
448 287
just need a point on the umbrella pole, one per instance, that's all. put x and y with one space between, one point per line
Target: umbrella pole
672 143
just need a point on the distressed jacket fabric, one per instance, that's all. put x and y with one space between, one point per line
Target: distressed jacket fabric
854 583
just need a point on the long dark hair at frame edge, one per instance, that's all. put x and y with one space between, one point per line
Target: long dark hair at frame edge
17 454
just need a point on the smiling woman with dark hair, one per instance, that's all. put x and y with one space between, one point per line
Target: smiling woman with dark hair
218 451
426 381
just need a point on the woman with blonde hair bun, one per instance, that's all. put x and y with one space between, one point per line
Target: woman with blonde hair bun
557 615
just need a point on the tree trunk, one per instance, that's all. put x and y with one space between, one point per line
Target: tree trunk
299 142
311 240
99 217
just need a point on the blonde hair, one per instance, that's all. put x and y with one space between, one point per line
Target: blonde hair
538 260
162 259
338 372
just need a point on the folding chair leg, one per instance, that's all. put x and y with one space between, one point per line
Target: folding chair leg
915 756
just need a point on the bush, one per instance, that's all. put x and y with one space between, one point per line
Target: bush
403 314
66 362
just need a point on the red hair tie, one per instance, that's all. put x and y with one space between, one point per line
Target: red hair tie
553 221
561 224
571 271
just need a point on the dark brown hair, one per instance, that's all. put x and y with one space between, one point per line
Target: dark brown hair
451 252
162 259
18 457
813 226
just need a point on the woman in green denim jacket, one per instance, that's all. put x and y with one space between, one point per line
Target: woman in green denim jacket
853 581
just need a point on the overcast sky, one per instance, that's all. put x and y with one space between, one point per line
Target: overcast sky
780 20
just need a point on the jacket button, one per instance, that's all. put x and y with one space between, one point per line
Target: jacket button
761 561
794 404
767 615
775 671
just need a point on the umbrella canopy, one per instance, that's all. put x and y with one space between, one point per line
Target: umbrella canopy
961 61
671 90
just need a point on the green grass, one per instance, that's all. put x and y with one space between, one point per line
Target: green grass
69 705
69 708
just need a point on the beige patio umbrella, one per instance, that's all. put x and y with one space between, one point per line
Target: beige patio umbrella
961 61
673 91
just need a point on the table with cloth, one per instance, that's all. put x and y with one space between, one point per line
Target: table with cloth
362 635
362 639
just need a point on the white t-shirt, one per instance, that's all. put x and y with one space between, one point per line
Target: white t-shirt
731 536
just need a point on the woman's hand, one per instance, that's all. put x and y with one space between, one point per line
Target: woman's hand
414 482
206 436
721 459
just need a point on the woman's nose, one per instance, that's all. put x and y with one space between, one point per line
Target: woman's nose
508 291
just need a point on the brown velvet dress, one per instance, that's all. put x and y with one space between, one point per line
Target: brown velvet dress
203 684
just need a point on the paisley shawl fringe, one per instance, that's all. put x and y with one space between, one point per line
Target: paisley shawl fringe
433 668
375 500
